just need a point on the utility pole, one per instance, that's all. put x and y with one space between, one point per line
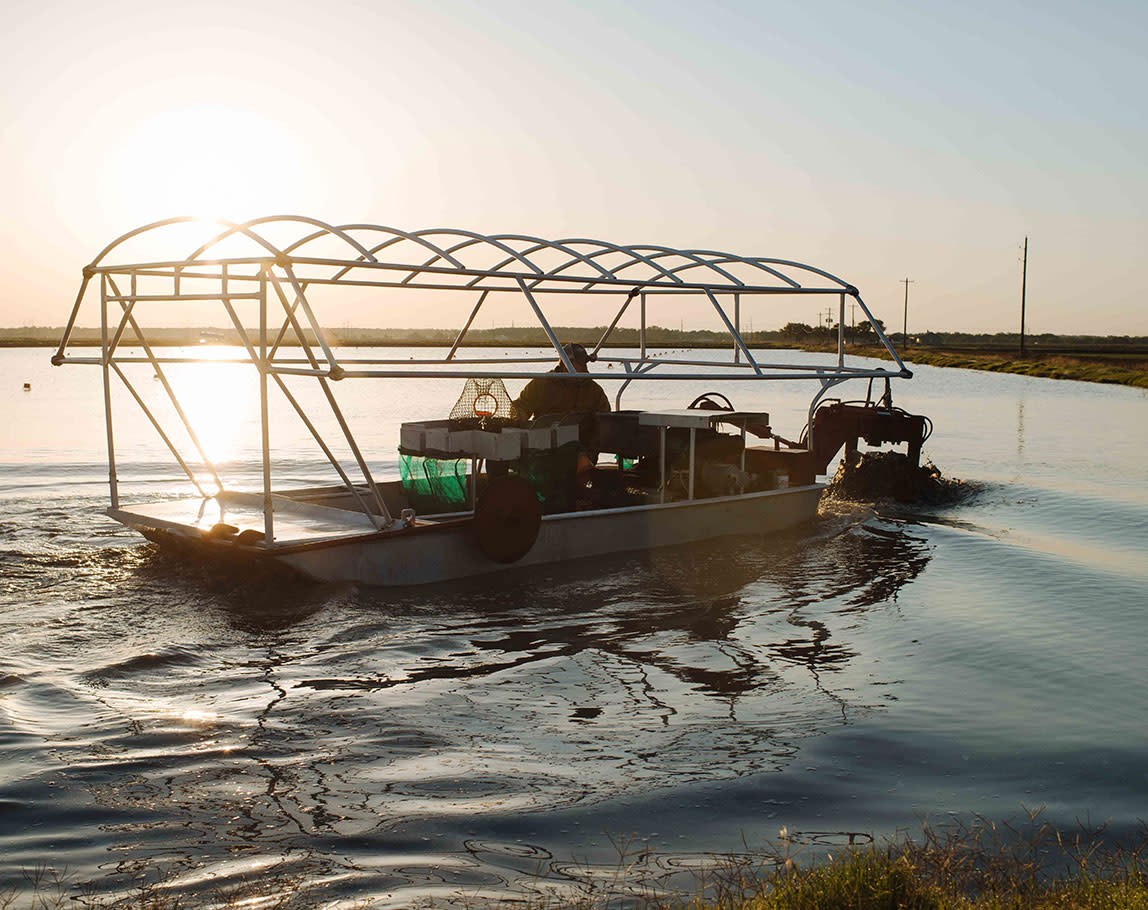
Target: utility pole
1023 283
905 324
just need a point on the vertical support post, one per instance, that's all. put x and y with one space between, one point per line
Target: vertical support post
643 331
113 485
841 331
744 424
693 441
905 324
662 461
473 484
737 325
1023 284
264 416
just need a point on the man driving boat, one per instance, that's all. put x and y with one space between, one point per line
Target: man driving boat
554 397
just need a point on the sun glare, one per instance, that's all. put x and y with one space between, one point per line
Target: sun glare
220 402
210 160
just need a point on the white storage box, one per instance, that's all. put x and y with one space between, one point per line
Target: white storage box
436 437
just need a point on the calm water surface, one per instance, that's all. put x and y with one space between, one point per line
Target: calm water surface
502 738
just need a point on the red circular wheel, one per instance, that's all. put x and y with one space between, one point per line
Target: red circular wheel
506 519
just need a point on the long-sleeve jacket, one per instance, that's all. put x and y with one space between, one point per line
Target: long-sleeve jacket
551 396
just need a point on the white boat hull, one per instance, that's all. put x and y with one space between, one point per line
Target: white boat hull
431 554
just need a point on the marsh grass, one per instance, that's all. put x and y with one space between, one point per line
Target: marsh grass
1114 369
978 866
1110 369
981 865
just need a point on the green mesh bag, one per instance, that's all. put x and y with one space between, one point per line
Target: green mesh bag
551 474
435 484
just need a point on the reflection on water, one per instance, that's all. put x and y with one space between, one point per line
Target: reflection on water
500 738
334 727
1020 429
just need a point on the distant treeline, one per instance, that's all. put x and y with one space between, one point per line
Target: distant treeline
792 334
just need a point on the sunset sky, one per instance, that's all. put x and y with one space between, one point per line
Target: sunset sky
877 140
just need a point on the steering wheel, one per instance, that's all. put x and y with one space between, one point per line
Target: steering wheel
707 401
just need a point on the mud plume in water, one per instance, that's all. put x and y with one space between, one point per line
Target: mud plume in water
889 475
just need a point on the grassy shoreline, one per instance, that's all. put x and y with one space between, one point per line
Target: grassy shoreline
1113 369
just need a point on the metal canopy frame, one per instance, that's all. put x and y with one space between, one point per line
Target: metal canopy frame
237 264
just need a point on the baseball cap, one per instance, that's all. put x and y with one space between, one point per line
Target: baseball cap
576 352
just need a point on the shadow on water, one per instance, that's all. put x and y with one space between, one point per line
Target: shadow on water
698 594
255 598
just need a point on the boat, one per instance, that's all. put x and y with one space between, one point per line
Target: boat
481 491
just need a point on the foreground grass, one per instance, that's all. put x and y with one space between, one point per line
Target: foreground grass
979 866
875 879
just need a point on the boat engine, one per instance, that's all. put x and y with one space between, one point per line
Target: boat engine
837 425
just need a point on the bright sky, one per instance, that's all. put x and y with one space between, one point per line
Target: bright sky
877 140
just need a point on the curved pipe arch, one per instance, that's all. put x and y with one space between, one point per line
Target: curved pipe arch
845 285
663 251
182 219
323 226
472 239
397 237
602 248
232 227
733 257
646 254
540 244
636 257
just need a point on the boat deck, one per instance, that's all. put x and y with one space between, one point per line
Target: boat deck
295 522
